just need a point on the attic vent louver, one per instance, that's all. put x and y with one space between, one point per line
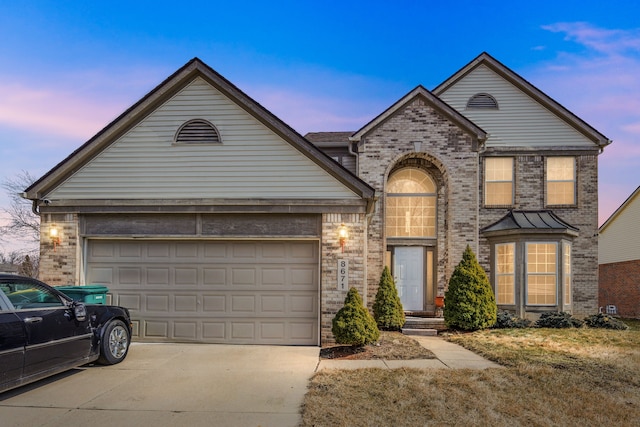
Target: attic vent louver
197 131
482 100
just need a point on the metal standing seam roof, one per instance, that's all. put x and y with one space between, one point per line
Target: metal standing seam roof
540 221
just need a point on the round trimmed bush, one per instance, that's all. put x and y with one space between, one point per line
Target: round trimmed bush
387 308
469 303
353 324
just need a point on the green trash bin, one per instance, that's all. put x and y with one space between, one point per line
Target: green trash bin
90 294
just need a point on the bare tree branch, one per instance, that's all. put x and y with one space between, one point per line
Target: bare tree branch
23 224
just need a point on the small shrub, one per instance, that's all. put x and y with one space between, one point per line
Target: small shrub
602 320
469 303
353 324
387 308
558 320
507 320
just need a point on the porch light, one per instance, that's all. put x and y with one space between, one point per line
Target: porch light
54 233
343 235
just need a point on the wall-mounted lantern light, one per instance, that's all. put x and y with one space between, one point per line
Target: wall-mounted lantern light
343 235
54 233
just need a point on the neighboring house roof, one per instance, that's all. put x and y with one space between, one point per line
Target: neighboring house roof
619 236
322 138
530 90
163 92
543 221
618 211
436 103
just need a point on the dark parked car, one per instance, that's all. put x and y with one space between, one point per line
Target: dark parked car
44 332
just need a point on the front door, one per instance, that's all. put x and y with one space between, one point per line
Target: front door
408 272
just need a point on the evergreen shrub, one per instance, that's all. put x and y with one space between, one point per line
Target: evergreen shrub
507 320
558 320
353 324
387 308
469 302
602 320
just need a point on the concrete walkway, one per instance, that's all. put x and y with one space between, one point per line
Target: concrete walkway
448 356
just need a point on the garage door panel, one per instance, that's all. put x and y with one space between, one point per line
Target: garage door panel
185 330
186 303
249 292
243 331
214 276
243 276
214 304
158 276
274 304
130 276
214 331
131 301
156 328
186 276
157 303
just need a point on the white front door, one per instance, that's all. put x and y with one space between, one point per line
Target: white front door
408 272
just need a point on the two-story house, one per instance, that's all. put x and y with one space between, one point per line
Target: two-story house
214 221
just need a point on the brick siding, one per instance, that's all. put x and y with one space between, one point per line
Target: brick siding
620 286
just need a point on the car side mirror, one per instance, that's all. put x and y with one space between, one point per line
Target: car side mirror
80 311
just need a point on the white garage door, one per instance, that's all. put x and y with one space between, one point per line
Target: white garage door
243 292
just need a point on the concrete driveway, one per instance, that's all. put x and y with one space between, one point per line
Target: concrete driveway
172 385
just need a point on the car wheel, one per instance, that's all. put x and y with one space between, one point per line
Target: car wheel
115 343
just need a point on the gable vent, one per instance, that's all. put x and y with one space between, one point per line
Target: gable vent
482 100
197 131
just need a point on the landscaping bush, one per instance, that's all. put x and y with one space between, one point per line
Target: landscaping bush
353 324
558 320
387 308
469 302
507 320
602 320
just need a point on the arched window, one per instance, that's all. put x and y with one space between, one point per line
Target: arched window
411 204
197 131
482 100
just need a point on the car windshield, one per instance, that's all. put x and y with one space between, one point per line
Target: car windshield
30 295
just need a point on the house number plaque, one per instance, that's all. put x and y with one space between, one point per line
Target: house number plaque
343 274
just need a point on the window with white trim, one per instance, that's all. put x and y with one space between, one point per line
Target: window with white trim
561 181
410 204
505 273
498 181
542 273
566 273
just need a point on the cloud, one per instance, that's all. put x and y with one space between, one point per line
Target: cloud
52 111
605 41
73 104
600 83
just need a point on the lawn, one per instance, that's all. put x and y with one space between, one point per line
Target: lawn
552 377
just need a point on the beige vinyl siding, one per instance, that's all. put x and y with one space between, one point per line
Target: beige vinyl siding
620 240
520 121
250 162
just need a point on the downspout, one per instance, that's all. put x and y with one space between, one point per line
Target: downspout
354 154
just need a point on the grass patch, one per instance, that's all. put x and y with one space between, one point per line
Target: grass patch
390 346
568 377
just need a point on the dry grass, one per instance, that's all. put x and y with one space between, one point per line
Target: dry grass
578 377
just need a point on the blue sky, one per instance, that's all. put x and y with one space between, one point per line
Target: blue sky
68 68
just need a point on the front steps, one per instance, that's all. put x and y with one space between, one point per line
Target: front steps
423 326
